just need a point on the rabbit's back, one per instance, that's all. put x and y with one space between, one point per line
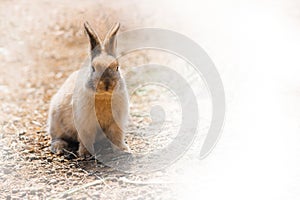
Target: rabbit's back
61 122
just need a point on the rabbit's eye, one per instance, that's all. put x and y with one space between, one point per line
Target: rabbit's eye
93 68
114 65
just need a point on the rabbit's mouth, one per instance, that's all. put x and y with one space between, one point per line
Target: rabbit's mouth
104 90
105 87
101 92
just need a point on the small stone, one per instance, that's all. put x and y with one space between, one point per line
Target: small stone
53 181
6 148
69 173
6 171
114 180
22 132
49 159
22 194
14 191
32 157
32 191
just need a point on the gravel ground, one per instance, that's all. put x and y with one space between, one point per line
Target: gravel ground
41 43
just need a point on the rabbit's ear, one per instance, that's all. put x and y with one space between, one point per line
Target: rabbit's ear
95 43
110 42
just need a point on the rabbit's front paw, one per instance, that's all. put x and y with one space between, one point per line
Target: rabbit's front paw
124 147
83 152
58 146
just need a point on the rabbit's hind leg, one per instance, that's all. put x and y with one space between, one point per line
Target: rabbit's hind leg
62 137
58 146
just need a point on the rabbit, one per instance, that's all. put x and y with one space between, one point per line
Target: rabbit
101 98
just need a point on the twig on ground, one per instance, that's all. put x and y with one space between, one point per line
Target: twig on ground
100 178
70 152
126 180
74 190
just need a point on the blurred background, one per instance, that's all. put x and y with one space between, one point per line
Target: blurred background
254 45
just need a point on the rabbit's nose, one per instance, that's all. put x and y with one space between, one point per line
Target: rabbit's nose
106 84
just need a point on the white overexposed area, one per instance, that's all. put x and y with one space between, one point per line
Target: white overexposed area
255 46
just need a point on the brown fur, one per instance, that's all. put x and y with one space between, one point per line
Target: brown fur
101 97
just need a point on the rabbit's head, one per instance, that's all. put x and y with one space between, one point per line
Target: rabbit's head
104 75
